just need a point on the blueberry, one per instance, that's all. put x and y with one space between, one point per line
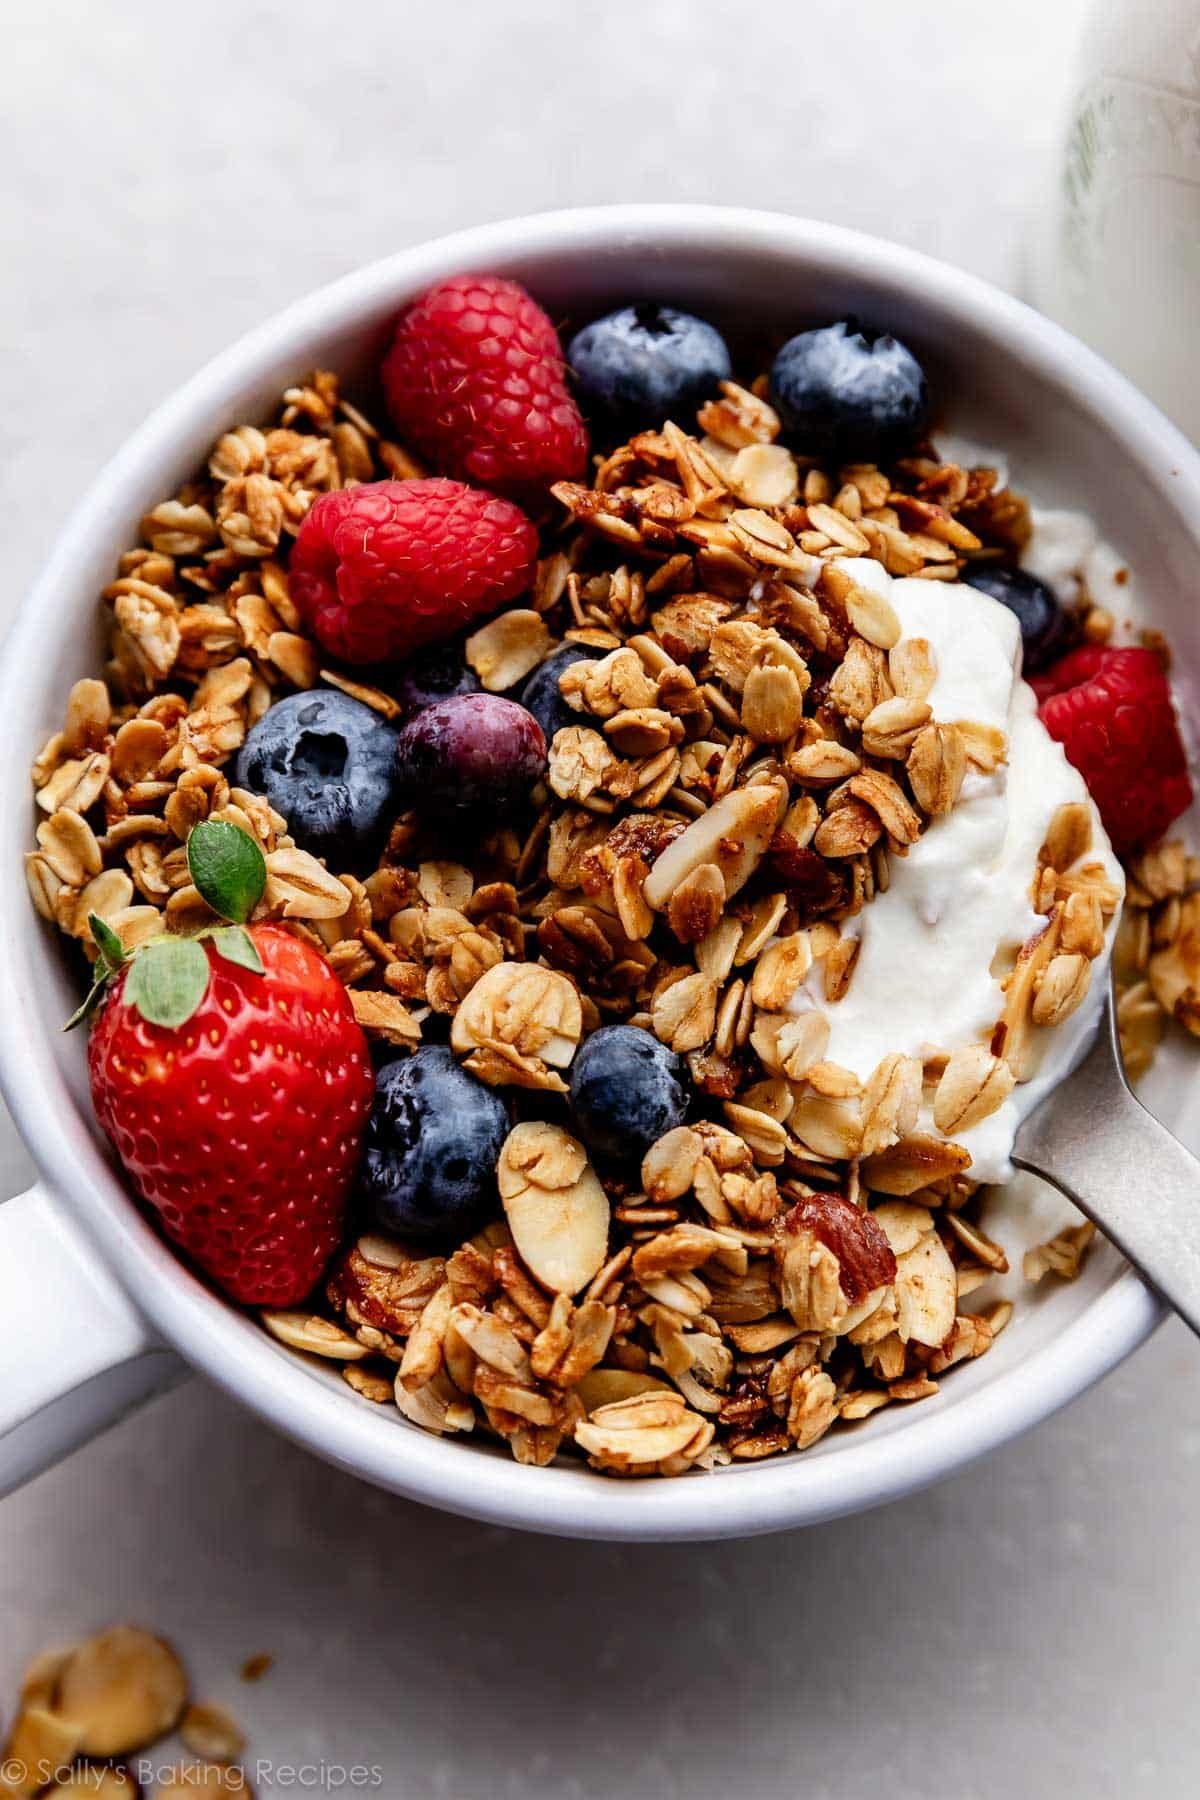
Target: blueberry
328 764
1042 620
438 673
848 393
473 753
627 1089
541 694
647 363
432 1142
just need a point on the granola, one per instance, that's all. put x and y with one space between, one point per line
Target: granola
756 754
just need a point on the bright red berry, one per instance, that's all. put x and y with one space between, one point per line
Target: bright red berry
240 1126
476 383
379 570
1111 711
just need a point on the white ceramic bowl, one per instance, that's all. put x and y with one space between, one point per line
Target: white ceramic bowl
74 1350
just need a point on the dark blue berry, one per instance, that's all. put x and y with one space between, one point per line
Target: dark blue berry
627 1089
432 1142
476 753
1042 620
328 764
849 394
437 673
647 363
541 694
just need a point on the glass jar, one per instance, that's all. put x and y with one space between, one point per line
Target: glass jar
1121 267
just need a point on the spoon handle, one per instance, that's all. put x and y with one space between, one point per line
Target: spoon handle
1095 1142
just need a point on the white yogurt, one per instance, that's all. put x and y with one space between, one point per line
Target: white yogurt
959 902
1067 552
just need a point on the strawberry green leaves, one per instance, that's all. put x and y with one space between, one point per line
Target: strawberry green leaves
168 977
235 944
228 869
110 956
168 980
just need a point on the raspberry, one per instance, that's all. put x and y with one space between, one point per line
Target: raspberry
1111 711
475 380
381 569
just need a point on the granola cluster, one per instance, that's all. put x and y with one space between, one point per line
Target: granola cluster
755 745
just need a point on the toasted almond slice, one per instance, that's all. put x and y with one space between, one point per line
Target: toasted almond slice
1069 836
733 834
319 1337
209 1731
40 1739
926 1292
914 1163
508 648
560 1229
608 1387
124 1689
830 1127
437 1407
902 1224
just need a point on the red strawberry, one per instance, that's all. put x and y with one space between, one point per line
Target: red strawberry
235 1083
1111 711
476 382
379 570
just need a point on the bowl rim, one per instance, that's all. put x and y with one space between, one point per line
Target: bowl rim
227 1346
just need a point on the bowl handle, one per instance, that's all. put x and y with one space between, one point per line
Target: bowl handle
75 1355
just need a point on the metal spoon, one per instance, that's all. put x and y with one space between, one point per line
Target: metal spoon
1094 1140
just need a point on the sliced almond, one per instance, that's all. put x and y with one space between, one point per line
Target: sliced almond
902 1224
317 1336
733 835
639 1432
124 1689
508 648
915 1162
607 1387
772 705
40 1739
830 1127
926 1291
209 1731
1069 836
763 475
555 1206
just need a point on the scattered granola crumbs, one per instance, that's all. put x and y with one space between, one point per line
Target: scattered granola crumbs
84 1710
1061 1255
257 1666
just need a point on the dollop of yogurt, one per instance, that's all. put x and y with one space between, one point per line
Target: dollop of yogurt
958 907
1066 551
